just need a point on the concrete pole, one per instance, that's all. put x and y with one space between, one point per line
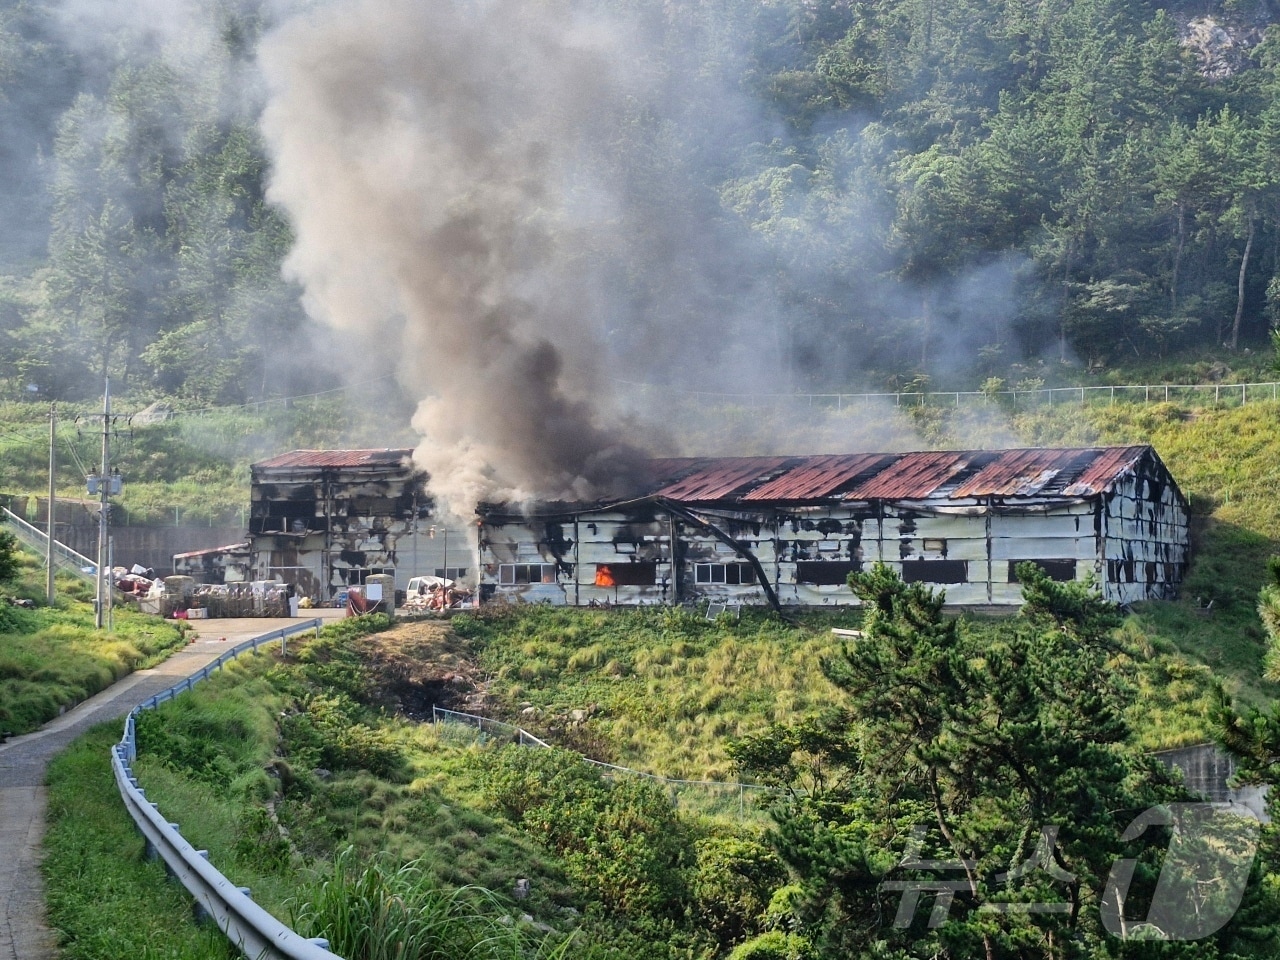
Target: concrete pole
104 489
50 527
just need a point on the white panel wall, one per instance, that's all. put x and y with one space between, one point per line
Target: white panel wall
1138 533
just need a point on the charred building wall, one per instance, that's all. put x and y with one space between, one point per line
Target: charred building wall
328 519
1113 514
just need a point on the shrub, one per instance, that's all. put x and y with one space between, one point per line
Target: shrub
622 841
774 945
8 557
328 733
383 911
731 886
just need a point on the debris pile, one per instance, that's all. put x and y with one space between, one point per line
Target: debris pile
431 594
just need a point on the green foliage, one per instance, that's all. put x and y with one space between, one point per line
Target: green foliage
106 901
53 658
965 743
217 733
774 945
622 841
666 687
8 559
925 147
381 910
1269 611
326 733
730 886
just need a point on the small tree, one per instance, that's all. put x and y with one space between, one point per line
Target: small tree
984 751
1269 611
8 557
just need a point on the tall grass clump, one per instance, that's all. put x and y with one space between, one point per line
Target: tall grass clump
105 900
384 912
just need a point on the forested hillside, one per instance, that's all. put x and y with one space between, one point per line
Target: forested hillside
928 187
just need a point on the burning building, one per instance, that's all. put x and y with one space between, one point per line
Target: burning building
324 520
789 530
783 530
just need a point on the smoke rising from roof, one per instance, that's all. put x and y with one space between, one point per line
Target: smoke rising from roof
431 158
514 204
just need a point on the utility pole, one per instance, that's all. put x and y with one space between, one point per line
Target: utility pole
50 527
104 487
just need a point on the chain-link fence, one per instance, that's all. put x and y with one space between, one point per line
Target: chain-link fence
1223 394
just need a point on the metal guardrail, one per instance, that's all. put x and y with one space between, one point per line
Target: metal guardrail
64 558
731 790
254 931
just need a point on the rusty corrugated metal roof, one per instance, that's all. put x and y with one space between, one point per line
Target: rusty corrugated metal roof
912 476
948 474
1024 473
818 477
336 458
1111 464
210 551
718 479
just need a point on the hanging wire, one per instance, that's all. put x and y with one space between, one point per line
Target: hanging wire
21 439
75 454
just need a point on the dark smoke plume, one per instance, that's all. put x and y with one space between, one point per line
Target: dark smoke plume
433 160
522 206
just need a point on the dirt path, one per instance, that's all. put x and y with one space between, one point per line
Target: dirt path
23 934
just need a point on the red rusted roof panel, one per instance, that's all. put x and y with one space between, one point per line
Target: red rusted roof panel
336 458
911 476
719 478
1023 473
1111 464
210 551
817 477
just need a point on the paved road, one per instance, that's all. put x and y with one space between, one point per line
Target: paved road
23 934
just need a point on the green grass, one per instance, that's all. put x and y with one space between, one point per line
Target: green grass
52 657
207 753
657 690
221 751
385 911
106 901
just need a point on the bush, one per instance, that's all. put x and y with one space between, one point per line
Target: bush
327 733
774 945
621 841
8 557
731 886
